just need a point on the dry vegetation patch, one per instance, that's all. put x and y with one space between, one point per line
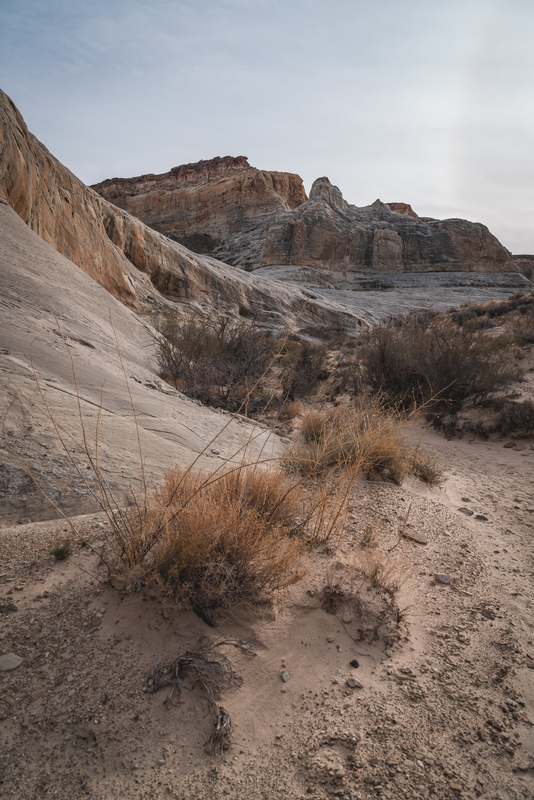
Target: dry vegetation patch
212 539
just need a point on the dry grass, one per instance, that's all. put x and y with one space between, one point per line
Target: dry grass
357 438
215 540
61 547
426 467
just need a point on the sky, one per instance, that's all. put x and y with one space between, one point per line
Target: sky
429 102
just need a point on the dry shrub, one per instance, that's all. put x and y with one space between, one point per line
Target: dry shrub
218 363
303 366
290 410
214 540
356 438
383 573
516 417
433 358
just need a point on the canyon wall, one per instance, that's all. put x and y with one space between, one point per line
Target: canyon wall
251 219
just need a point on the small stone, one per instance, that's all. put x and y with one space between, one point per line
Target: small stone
354 683
414 536
456 787
118 582
10 700
466 511
354 663
285 676
67 737
37 694
340 772
442 577
330 639
72 692
7 608
216 452
346 619
509 445
481 517
520 447
389 652
9 662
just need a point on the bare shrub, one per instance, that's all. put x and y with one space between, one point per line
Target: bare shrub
303 366
516 417
217 363
427 358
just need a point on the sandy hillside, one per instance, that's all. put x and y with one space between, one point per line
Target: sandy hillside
446 704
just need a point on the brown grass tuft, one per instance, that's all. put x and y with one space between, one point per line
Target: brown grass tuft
215 540
357 439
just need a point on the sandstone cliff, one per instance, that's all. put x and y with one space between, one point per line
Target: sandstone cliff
202 205
253 219
132 261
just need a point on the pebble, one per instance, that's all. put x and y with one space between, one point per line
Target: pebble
285 676
354 683
415 537
330 639
466 511
443 577
346 619
509 445
481 517
118 582
10 661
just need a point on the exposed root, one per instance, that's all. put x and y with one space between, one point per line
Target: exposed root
204 672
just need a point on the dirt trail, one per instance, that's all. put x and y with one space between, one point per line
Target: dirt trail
447 703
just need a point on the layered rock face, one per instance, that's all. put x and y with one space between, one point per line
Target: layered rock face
253 219
204 205
131 260
525 264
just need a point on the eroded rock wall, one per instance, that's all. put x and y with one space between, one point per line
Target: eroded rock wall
252 219
131 260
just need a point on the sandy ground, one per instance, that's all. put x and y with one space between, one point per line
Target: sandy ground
447 704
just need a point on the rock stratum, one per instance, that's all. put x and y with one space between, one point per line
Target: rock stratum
135 263
252 219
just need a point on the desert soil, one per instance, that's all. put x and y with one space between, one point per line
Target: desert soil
446 708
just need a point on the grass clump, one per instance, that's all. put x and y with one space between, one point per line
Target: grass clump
358 438
62 547
215 540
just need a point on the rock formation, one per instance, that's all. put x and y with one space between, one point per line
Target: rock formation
134 262
253 219
525 264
